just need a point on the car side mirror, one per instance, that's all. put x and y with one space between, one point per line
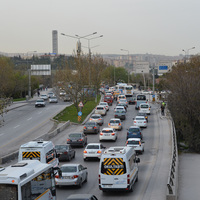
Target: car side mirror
143 141
85 168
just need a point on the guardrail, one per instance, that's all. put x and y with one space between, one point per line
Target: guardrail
172 182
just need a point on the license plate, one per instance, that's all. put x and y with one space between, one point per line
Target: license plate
89 127
91 152
107 134
66 177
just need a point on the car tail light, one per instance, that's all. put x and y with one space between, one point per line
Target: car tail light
128 179
75 176
84 127
68 140
90 119
81 140
149 108
57 176
99 119
101 133
134 121
115 115
139 143
119 124
145 121
113 134
84 151
65 153
108 124
99 151
95 127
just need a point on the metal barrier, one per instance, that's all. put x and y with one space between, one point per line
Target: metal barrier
172 182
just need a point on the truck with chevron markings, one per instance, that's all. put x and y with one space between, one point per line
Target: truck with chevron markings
118 169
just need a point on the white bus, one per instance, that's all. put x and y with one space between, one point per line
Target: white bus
27 180
121 87
44 151
129 91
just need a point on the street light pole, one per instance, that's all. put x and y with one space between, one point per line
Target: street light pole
29 75
187 52
128 61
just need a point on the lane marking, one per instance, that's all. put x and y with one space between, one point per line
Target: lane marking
29 119
16 126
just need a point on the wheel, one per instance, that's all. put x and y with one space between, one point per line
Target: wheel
131 188
85 159
86 178
136 178
80 183
74 155
69 158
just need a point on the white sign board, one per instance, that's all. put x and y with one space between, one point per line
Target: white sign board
40 70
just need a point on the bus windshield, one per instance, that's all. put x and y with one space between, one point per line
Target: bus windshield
141 97
8 191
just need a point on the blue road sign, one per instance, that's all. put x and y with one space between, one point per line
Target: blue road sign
79 113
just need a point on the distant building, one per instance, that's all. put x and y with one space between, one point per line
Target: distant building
55 41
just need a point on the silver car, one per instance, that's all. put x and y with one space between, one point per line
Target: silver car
97 118
71 174
115 123
53 99
100 110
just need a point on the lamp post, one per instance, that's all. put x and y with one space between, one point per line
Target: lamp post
127 59
187 52
144 80
78 37
89 51
29 75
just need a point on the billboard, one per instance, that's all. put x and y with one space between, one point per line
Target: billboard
40 70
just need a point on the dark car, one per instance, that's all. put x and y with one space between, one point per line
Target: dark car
143 114
91 127
131 100
65 152
77 139
134 132
121 114
82 197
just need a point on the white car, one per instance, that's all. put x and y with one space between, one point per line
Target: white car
50 94
44 96
145 108
108 134
93 150
97 118
136 143
140 121
100 110
104 104
71 174
123 101
115 123
40 103
53 99
120 108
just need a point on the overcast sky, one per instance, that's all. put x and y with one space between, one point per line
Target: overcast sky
139 26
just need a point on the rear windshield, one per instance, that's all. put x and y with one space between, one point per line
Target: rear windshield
92 147
95 117
69 169
99 108
75 135
107 97
144 106
139 118
90 124
61 147
120 111
113 166
133 142
107 131
133 129
114 121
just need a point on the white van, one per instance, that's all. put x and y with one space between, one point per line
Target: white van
44 151
145 108
118 169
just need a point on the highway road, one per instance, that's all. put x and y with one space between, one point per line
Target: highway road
26 123
154 165
153 168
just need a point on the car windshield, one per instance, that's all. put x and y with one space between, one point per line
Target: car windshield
99 108
107 97
107 131
61 147
40 100
69 169
53 98
75 135
133 142
92 147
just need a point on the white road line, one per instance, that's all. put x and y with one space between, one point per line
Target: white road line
16 126
29 119
2 134
40 112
